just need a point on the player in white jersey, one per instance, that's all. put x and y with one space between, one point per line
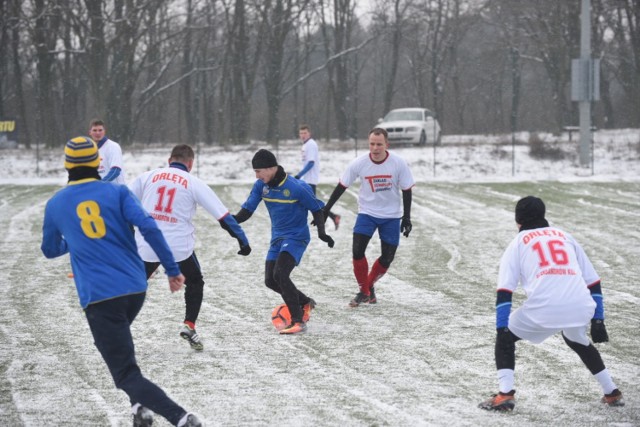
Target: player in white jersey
171 195
563 295
310 172
383 177
111 165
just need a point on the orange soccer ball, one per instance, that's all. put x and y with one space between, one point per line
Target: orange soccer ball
280 316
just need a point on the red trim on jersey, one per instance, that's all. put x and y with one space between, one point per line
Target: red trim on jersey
381 161
597 282
504 290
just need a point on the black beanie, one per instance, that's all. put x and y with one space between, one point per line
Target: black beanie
529 209
264 159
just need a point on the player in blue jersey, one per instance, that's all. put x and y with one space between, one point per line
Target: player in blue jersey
288 201
91 220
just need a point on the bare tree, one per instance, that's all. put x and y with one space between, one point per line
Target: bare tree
624 61
337 38
46 20
390 19
553 27
280 17
241 58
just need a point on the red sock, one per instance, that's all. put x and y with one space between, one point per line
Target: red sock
360 270
377 271
190 324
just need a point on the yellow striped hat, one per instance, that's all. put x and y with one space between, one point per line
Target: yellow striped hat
81 151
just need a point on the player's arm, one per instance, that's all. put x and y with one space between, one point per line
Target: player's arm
591 278
305 169
114 172
251 204
405 225
210 201
135 214
503 308
229 223
319 219
335 195
507 283
598 330
508 278
315 206
53 243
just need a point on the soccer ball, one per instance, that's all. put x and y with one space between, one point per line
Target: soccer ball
280 316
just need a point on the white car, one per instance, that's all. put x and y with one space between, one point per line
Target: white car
411 126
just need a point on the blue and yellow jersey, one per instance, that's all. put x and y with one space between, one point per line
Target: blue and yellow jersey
288 204
90 220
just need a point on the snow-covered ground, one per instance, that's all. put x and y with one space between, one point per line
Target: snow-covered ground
423 356
459 158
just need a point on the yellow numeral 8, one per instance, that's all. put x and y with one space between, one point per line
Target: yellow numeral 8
90 220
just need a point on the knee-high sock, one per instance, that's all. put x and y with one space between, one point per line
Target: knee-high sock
360 270
377 271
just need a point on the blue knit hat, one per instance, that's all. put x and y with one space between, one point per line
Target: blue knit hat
81 151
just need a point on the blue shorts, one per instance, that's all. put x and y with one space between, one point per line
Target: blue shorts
388 228
295 247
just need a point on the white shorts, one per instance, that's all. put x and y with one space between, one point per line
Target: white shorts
523 327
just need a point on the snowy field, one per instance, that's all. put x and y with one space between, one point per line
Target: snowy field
422 356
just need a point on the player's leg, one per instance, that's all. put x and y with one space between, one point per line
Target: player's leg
577 340
193 296
296 249
389 231
194 288
150 268
360 263
110 322
520 327
269 279
290 294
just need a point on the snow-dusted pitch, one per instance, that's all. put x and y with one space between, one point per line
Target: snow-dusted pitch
422 356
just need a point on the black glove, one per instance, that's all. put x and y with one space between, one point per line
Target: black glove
296 176
326 238
325 215
244 250
598 331
405 227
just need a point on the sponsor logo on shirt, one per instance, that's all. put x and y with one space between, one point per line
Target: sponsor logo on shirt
379 182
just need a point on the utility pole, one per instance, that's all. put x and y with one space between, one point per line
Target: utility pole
585 83
585 105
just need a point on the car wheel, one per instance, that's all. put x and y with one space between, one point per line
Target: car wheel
423 138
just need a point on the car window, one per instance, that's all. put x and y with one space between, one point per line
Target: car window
403 115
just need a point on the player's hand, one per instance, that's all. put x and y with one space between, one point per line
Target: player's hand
326 238
325 215
296 176
405 227
599 331
176 282
244 250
